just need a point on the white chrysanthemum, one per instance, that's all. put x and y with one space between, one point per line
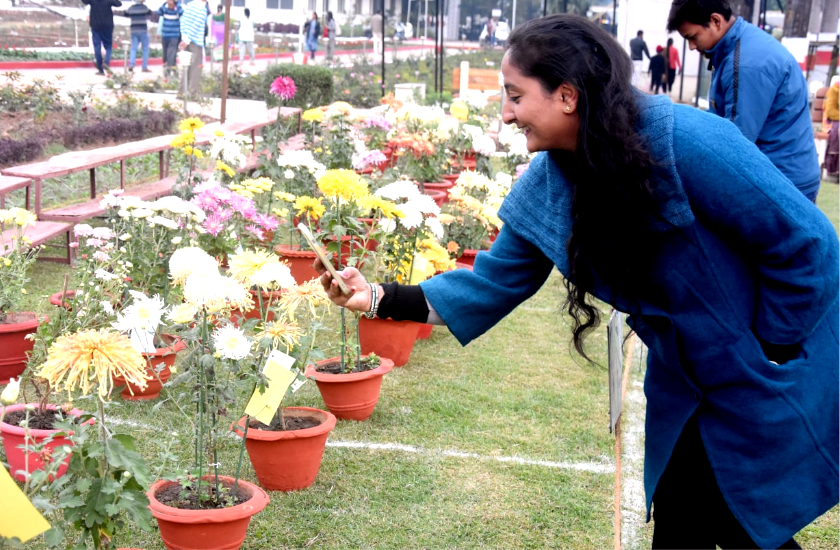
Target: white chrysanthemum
103 275
185 261
228 148
183 313
142 212
165 222
472 180
400 189
206 289
504 179
447 128
519 146
423 203
231 343
506 134
270 276
289 174
143 315
434 225
412 218
484 145
472 131
173 204
476 99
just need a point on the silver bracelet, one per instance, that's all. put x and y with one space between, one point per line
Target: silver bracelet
374 302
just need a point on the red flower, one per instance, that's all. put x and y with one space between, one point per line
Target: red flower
283 87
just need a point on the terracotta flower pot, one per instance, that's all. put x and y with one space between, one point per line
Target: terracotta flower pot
14 344
167 356
468 257
443 186
56 299
424 331
439 197
15 436
269 298
451 178
350 396
288 460
217 529
300 261
388 338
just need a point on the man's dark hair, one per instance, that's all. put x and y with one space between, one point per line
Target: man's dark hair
247 12
698 12
640 33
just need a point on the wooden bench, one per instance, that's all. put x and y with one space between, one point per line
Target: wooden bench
13 183
38 234
478 79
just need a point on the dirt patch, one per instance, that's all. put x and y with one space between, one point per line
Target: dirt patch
38 419
187 498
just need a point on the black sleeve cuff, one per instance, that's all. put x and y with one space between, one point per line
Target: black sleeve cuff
403 303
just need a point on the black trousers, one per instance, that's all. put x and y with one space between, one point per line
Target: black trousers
672 75
688 509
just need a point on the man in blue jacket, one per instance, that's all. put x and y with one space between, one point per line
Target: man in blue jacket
102 31
170 32
757 84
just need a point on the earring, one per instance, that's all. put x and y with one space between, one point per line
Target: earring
568 108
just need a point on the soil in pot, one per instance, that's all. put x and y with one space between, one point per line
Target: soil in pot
336 367
38 419
290 424
187 498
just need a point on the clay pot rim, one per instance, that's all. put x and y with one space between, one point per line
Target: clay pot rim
384 368
17 430
259 500
326 426
24 325
293 251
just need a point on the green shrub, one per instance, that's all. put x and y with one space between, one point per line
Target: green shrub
314 85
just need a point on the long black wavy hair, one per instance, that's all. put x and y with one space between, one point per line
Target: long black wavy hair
609 171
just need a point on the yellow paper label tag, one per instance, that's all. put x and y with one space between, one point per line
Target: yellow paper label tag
419 270
18 517
278 371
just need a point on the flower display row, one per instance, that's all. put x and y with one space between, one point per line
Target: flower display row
192 293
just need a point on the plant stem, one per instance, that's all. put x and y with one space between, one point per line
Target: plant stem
241 452
103 437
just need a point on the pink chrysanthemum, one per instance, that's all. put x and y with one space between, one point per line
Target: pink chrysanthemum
283 87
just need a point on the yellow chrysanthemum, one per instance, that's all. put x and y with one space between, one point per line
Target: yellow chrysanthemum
225 168
244 265
341 107
182 139
281 332
190 124
313 115
459 110
342 184
310 206
310 294
375 202
93 358
283 196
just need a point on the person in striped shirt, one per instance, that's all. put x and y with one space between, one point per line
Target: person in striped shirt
192 40
170 32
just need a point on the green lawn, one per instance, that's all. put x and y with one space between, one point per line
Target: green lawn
445 423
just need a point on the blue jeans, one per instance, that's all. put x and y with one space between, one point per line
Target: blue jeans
136 40
102 38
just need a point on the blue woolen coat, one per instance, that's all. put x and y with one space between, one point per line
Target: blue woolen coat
744 252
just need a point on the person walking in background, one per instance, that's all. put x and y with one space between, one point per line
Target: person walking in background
139 14
638 47
491 31
757 84
312 30
726 272
101 19
170 33
193 22
674 66
376 30
658 74
217 26
331 27
246 37
831 115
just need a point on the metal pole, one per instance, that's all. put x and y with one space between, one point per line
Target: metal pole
545 6
513 16
682 70
614 22
426 21
225 61
382 49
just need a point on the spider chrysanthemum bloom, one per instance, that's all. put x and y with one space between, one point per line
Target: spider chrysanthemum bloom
310 294
245 264
284 88
273 276
231 343
342 184
281 332
91 358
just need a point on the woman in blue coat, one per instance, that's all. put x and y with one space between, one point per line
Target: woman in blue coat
727 273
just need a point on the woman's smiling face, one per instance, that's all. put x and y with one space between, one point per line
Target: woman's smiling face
549 121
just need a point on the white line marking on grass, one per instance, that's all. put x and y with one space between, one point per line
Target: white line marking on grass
633 437
594 467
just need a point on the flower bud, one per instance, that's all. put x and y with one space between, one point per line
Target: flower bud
10 393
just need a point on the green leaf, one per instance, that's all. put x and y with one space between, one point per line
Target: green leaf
54 537
112 509
83 485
